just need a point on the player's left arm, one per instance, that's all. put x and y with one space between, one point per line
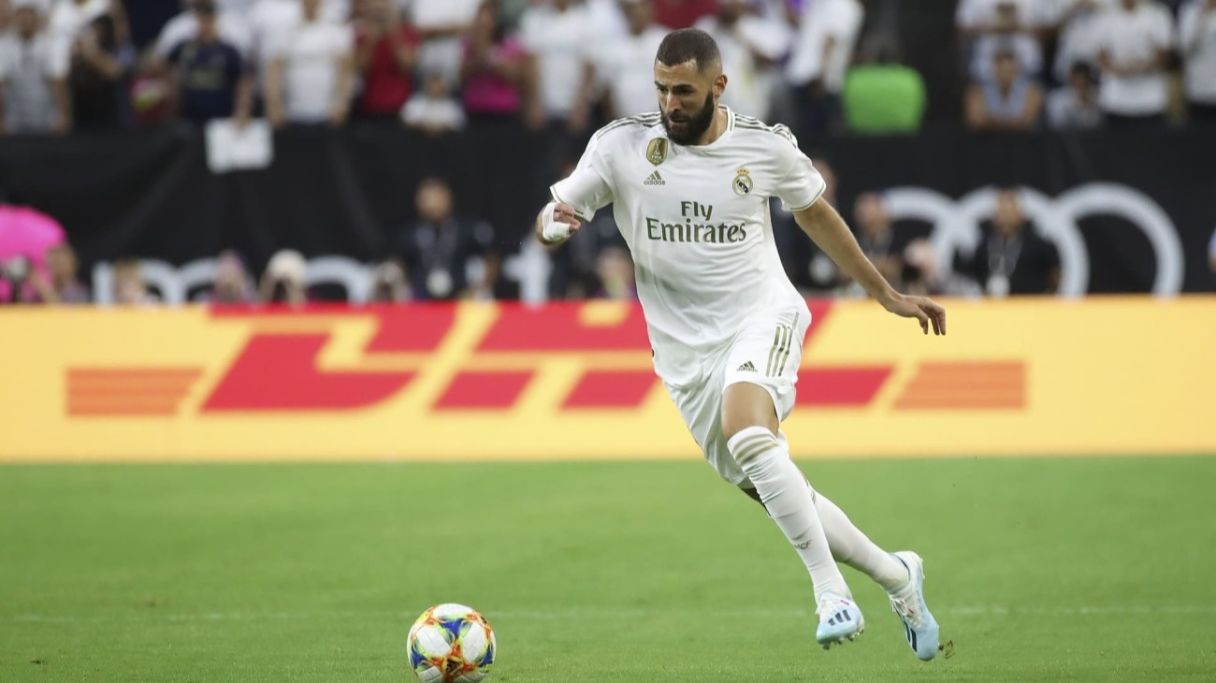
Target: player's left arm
821 222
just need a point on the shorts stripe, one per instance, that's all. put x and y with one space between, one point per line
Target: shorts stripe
780 350
772 354
788 343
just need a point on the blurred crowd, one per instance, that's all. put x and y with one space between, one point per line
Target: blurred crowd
440 256
1073 64
562 67
564 64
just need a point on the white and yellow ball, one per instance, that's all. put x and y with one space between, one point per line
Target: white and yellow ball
451 643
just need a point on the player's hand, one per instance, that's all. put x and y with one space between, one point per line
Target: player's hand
924 309
558 225
564 213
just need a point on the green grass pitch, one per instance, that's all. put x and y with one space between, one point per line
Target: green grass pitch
1038 569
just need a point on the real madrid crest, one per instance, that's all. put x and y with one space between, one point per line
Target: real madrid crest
742 184
656 151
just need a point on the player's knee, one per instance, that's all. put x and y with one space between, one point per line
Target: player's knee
736 421
732 426
744 406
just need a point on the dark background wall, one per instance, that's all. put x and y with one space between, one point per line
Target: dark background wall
349 191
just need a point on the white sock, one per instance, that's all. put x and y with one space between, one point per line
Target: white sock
851 546
788 499
854 548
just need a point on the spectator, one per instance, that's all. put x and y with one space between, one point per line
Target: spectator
238 8
615 271
876 237
69 17
627 61
26 235
389 284
130 289
99 76
1075 106
270 24
434 111
494 71
232 284
284 279
231 27
439 248
559 38
822 52
33 73
65 286
1002 26
497 75
1009 102
608 18
1197 35
19 281
750 47
558 35
676 14
488 281
209 78
1011 258
442 26
1079 22
311 72
1133 48
386 52
920 275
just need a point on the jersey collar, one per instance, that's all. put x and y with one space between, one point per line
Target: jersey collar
730 128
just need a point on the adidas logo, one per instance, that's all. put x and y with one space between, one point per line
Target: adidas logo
747 367
654 179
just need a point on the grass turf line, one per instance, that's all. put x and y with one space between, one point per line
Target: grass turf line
1040 569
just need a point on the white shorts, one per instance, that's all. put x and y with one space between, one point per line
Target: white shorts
766 352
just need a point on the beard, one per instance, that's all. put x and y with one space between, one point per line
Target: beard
692 127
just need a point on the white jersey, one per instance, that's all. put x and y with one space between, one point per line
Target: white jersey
696 218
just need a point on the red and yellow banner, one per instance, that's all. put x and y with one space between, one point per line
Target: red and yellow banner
484 381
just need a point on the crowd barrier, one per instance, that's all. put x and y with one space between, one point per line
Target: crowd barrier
481 381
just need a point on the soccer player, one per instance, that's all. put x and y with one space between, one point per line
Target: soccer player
690 185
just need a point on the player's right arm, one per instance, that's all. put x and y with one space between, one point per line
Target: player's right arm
801 191
577 197
828 230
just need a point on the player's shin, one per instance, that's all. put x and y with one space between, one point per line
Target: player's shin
854 548
784 492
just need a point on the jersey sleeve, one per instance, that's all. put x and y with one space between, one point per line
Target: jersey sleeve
802 185
587 189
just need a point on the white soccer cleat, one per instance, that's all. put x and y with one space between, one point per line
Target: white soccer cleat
908 603
839 620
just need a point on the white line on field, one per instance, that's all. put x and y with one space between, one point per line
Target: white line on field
961 611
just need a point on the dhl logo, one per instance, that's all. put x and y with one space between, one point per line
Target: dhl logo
485 357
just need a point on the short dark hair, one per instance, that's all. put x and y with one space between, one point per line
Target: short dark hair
688 44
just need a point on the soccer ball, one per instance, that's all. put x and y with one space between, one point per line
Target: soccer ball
451 643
